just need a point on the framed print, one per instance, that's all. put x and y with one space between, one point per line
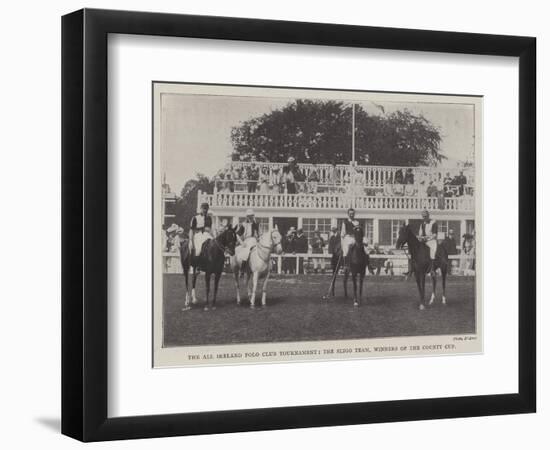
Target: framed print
318 224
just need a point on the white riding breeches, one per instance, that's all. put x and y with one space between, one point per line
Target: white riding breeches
432 245
347 241
200 238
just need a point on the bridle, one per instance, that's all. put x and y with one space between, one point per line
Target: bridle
222 247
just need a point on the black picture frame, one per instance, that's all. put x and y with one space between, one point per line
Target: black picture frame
84 224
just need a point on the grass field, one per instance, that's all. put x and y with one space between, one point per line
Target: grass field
296 312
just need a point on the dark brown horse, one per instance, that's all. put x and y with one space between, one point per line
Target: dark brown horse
211 260
355 262
422 264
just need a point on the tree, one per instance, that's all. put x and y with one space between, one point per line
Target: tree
318 131
186 205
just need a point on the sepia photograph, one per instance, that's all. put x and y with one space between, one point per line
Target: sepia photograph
305 224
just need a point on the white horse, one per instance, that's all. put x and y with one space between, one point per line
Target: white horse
258 265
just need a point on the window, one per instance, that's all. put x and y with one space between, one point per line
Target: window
369 230
309 225
446 225
470 227
388 231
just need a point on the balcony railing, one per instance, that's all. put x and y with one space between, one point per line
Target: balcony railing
335 201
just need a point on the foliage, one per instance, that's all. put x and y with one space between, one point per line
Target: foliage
317 131
186 205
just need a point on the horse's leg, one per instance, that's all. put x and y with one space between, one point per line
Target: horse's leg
193 296
237 287
346 275
444 283
207 284
264 290
434 284
361 279
335 268
248 286
255 277
217 276
354 280
420 289
187 293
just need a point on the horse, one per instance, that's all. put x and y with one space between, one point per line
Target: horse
258 265
356 261
422 264
211 259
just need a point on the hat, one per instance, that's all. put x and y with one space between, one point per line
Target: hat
249 212
334 229
292 229
172 228
291 159
205 205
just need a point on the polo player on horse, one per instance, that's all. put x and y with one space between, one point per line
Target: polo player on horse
347 232
427 233
200 232
248 235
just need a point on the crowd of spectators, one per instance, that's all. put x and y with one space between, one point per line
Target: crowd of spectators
257 177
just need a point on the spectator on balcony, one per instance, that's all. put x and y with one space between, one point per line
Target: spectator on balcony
225 187
460 181
313 180
388 189
398 183
263 188
409 176
333 175
289 178
448 185
275 177
398 178
236 173
318 248
253 174
431 190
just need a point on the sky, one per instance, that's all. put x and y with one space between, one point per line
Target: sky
196 129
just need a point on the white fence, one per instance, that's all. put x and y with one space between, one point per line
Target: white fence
334 201
297 263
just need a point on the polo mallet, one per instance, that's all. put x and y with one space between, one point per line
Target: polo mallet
334 275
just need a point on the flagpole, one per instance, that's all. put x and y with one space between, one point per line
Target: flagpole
353 132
